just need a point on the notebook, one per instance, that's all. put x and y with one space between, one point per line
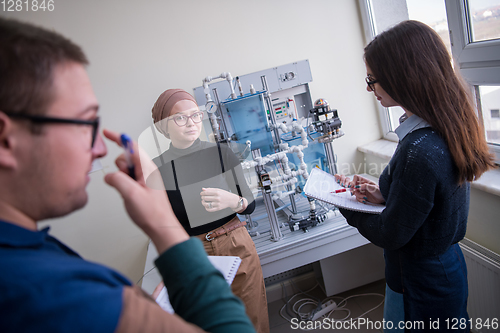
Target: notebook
227 265
319 186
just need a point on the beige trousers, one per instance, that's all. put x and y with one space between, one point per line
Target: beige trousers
248 284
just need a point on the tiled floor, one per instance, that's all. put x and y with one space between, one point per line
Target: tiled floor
356 305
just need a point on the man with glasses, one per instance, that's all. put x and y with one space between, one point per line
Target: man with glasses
48 140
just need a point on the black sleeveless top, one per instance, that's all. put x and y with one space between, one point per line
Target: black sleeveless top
186 171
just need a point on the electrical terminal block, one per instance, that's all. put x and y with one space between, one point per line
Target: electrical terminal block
325 308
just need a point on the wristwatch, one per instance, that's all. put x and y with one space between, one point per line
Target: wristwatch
240 205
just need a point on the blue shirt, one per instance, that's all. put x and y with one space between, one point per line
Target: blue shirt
47 287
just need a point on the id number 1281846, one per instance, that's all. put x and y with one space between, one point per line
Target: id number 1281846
27 5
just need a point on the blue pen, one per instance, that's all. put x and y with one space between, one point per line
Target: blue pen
129 151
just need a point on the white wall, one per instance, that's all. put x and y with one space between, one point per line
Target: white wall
138 49
482 225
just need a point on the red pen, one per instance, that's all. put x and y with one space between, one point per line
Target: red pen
339 191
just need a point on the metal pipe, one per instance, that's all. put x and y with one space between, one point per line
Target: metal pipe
269 104
219 109
276 234
330 158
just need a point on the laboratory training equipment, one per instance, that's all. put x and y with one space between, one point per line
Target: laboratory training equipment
278 134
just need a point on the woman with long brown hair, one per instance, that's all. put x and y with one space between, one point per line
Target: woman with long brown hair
426 185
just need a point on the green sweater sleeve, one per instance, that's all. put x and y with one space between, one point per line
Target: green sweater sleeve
198 292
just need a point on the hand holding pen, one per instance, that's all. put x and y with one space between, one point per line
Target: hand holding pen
365 190
128 146
148 207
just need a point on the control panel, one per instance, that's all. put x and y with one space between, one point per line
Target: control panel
284 110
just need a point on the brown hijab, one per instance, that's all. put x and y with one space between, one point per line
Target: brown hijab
164 104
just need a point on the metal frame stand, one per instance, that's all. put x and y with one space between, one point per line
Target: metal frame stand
276 234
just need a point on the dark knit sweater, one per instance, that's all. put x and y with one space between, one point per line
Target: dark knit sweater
426 209
196 167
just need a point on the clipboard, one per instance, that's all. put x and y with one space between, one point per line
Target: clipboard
319 186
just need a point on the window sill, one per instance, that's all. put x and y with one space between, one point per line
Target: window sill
489 181
380 148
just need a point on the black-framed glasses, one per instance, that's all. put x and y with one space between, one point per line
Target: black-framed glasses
53 120
370 82
181 119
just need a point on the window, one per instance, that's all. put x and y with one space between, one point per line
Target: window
379 15
490 112
471 30
484 20
475 32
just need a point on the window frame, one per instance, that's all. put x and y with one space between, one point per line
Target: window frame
479 62
367 18
474 58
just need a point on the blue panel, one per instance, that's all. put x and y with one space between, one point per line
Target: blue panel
314 154
248 118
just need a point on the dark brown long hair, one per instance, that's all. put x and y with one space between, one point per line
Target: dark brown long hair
413 66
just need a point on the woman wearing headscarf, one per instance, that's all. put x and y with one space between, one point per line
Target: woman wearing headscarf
206 187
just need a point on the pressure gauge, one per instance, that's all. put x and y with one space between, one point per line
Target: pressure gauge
211 107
